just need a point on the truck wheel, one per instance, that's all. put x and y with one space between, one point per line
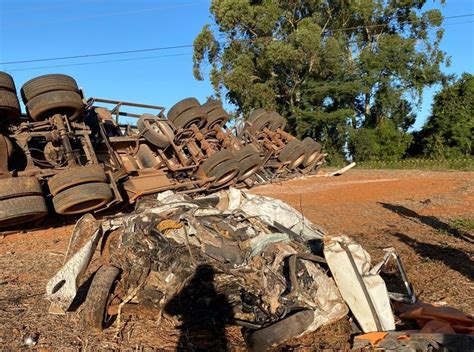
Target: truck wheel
244 152
13 187
82 198
76 176
193 116
248 166
217 116
61 102
94 312
182 106
285 329
6 82
293 153
224 173
279 122
157 132
211 105
254 115
22 209
312 151
9 105
47 83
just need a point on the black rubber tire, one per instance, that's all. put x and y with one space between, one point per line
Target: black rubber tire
255 114
279 122
82 198
9 105
95 307
6 82
76 176
19 210
245 152
288 150
47 83
224 173
182 106
248 166
13 187
211 105
191 116
275 334
293 152
264 121
312 150
215 159
217 117
62 102
158 133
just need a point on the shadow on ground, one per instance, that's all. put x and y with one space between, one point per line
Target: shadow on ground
431 221
203 312
455 258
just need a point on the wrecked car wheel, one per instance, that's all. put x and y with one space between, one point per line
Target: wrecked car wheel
157 132
82 198
275 334
292 153
94 313
182 106
47 83
47 104
19 210
76 176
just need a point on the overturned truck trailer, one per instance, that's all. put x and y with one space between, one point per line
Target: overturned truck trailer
71 154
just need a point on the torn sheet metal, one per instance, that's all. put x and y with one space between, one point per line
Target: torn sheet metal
365 293
62 287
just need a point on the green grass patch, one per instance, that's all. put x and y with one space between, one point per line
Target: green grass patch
420 164
463 224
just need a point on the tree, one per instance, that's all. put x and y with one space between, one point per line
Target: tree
449 131
329 66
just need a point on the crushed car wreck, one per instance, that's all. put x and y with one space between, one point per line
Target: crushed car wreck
231 258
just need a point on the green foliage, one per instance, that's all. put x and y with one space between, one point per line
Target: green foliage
331 67
449 131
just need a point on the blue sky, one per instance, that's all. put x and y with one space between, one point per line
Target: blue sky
41 29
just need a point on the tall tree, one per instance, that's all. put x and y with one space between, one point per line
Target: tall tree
329 66
449 131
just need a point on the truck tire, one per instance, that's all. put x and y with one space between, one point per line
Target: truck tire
215 159
293 153
6 82
279 122
13 187
217 116
22 209
182 106
211 105
47 83
248 166
255 114
312 151
9 105
157 132
246 151
224 173
264 121
82 198
95 307
193 116
61 102
76 176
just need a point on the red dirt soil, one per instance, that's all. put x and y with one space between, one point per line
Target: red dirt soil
409 210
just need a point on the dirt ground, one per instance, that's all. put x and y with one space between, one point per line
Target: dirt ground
420 213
